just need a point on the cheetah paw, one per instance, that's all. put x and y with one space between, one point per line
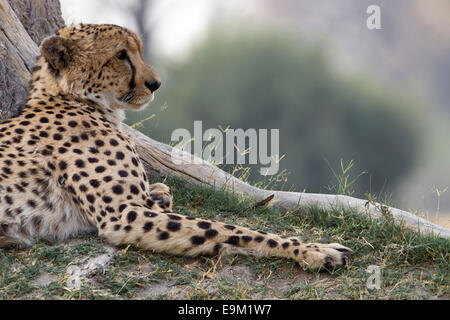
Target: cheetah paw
326 256
162 195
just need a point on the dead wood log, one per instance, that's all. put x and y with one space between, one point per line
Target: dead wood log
18 52
162 158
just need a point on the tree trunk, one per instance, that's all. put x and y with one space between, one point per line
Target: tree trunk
24 23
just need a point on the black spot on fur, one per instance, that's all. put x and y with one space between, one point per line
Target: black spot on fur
134 189
234 240
204 225
163 236
197 240
123 173
95 183
120 155
259 239
211 233
100 169
131 216
32 203
62 165
147 226
79 163
117 189
9 200
173 226
90 198
272 243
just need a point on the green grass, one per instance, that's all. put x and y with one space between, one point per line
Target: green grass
412 266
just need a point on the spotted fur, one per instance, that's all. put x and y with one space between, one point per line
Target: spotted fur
67 167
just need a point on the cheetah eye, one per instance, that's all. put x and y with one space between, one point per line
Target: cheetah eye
122 54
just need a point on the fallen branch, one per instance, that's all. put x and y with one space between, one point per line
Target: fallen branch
160 158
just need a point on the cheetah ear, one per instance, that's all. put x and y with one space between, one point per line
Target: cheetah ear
57 51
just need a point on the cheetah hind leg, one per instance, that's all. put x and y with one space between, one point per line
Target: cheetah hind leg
162 195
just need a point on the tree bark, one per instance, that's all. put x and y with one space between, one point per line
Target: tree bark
24 23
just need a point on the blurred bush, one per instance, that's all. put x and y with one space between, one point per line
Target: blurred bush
269 80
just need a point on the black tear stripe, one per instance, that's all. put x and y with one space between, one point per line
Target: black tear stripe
124 56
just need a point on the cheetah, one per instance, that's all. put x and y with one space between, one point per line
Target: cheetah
66 166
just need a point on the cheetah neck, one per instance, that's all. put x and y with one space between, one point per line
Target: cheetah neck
46 85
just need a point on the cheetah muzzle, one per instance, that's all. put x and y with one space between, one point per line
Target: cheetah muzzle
67 167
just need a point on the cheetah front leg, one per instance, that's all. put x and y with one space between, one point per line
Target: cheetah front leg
176 234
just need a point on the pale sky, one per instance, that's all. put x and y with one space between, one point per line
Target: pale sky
180 23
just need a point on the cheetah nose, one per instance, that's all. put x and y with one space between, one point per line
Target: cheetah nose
153 85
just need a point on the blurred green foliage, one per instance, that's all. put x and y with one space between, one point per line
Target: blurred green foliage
271 80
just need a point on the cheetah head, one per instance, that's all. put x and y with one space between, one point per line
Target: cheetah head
103 63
